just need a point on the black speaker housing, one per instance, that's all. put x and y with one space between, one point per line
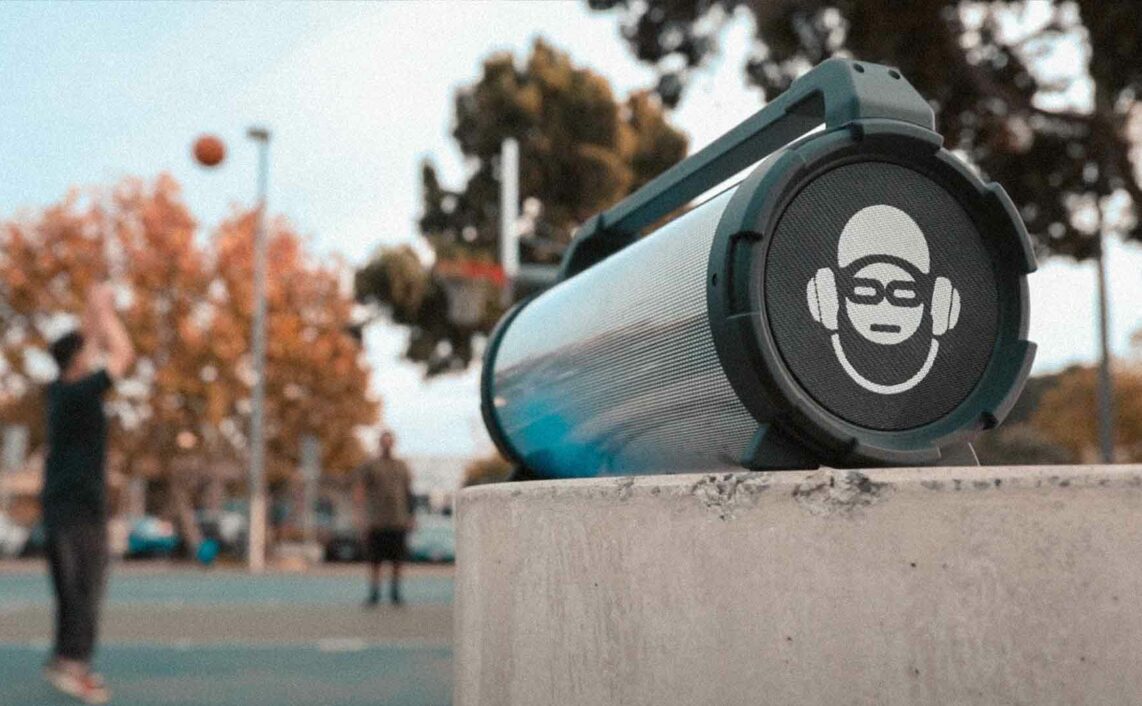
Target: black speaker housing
746 344
870 115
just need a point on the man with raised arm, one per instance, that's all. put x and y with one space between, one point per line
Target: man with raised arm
74 495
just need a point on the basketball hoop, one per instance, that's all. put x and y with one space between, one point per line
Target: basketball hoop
469 285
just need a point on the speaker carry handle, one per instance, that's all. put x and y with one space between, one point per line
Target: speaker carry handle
835 92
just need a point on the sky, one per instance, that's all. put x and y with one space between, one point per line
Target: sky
356 96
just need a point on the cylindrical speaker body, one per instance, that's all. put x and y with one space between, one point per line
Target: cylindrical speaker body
615 371
859 299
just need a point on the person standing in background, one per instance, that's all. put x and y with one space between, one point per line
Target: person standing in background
74 497
384 501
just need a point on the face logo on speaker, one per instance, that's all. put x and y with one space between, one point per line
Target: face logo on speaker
883 281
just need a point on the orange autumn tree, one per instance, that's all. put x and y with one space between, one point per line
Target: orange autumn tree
187 302
316 382
47 261
1067 413
154 254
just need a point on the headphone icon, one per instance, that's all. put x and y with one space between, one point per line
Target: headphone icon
883 296
821 293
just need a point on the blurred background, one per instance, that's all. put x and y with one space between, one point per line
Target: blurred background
385 270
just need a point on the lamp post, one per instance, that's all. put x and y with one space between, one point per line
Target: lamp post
256 550
1104 389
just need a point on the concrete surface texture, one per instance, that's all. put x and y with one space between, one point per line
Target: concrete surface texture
893 586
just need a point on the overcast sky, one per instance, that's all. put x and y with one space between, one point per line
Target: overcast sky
357 95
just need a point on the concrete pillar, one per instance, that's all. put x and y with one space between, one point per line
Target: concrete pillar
893 586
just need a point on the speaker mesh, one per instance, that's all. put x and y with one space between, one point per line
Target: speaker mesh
863 247
614 371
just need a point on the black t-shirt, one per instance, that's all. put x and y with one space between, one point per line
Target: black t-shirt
77 448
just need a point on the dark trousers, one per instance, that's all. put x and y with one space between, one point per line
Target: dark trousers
77 555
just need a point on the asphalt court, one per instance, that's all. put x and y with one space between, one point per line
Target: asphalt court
133 583
150 675
181 635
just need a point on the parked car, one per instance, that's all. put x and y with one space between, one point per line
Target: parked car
434 539
226 527
13 537
151 537
37 543
344 544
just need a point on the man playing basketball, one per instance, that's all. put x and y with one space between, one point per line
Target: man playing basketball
74 495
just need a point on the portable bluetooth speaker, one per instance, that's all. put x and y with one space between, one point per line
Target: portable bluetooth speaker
859 299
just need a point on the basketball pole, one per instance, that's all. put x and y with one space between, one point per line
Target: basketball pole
256 534
509 213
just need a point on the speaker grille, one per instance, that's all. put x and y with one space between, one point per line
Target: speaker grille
615 370
881 295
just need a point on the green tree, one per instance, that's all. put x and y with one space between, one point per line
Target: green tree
1039 95
581 150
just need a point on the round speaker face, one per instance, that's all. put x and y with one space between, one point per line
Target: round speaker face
881 295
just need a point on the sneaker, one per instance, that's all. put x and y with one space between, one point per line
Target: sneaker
96 689
77 682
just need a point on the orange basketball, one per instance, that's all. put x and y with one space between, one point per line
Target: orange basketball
209 150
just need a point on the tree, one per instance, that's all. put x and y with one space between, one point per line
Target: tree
581 150
489 469
1020 444
1065 413
1018 441
46 263
316 380
1058 140
187 304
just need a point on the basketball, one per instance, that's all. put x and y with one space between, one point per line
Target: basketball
209 150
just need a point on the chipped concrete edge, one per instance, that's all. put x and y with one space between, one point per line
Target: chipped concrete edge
821 491
840 492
